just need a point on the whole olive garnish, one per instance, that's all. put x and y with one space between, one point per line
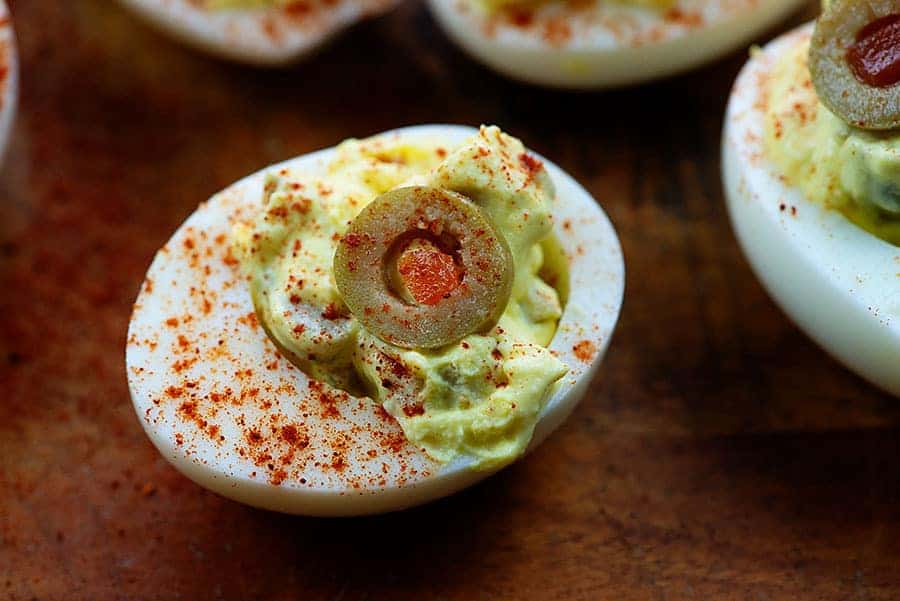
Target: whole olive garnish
422 267
854 60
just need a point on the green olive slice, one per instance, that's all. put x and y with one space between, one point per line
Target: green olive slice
853 60
422 268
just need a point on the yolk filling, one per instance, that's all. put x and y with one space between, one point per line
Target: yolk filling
428 273
875 57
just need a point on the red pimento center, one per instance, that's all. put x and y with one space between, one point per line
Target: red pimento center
428 273
875 56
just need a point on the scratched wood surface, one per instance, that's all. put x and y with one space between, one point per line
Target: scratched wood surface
719 454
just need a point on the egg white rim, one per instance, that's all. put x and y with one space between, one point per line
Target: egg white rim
604 62
838 283
246 35
596 294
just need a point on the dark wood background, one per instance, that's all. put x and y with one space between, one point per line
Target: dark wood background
719 454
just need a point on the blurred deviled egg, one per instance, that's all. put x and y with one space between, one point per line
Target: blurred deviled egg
811 164
258 32
375 325
602 43
9 77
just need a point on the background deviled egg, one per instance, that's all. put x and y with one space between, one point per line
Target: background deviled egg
258 32
838 282
9 77
603 43
226 409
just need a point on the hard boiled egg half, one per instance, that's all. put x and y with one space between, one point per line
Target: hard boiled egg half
223 405
788 163
602 43
9 77
257 32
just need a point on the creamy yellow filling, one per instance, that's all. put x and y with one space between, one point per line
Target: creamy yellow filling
850 170
480 397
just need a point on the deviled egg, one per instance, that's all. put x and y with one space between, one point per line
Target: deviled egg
811 166
9 77
602 43
375 325
258 32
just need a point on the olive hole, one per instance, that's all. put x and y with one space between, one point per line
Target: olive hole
447 276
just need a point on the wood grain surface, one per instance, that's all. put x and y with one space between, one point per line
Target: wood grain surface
719 454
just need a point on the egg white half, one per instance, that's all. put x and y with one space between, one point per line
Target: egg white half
9 77
215 397
262 36
840 284
604 44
